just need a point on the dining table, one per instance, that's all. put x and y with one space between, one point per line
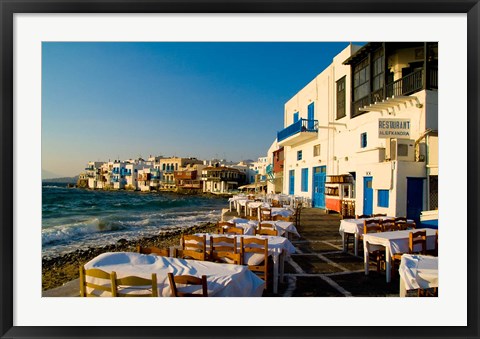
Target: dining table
249 226
417 272
278 248
223 280
355 227
393 242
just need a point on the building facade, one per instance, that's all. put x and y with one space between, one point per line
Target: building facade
365 130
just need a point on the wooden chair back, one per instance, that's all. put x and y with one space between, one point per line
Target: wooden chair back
187 280
224 250
406 225
233 230
265 213
163 252
389 226
256 246
96 288
400 219
194 242
222 224
266 231
416 239
252 217
189 254
279 217
133 283
266 224
372 226
276 203
379 215
363 216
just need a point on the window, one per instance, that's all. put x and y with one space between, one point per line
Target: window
341 98
291 182
299 155
304 179
378 70
295 117
316 150
382 198
361 78
363 140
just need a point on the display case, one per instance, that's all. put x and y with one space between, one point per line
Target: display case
340 194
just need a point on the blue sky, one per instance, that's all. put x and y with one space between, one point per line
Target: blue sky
104 101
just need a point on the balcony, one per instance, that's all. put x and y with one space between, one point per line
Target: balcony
398 91
298 132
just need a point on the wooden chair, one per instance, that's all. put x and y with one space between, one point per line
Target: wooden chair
415 239
276 203
389 226
279 217
221 224
251 248
266 224
189 254
379 215
363 216
194 242
233 230
96 288
400 219
163 252
224 250
187 280
252 217
265 213
135 284
297 213
266 231
373 226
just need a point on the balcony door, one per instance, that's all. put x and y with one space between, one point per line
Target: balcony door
311 116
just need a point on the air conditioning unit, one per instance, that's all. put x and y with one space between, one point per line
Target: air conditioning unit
400 149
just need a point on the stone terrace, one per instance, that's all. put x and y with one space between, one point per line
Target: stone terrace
321 269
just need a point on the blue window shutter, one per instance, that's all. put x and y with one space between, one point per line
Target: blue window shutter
363 140
295 117
304 179
383 199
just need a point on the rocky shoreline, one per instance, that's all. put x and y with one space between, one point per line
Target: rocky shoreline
64 268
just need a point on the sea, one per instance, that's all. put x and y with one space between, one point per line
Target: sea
74 218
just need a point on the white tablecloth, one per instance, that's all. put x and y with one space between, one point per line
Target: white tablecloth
394 242
285 212
355 226
224 280
419 271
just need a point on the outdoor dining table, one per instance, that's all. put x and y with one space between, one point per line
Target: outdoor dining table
233 201
278 249
281 226
223 280
417 272
355 227
394 242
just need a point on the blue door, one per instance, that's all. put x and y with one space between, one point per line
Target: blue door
310 116
291 181
367 196
319 176
414 198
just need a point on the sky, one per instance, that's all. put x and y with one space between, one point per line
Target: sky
103 101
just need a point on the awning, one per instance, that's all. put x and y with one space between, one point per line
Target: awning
254 185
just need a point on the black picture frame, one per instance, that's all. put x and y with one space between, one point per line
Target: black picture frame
10 7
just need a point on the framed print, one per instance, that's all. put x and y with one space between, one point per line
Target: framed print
128 133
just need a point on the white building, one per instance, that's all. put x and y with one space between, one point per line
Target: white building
370 118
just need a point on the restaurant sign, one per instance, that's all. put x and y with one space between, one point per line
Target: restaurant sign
394 128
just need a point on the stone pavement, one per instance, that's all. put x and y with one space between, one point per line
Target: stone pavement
319 268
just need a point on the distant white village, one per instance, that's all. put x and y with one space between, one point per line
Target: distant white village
189 175
360 138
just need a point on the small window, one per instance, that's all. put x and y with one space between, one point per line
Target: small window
341 98
295 117
382 198
316 150
299 155
363 140
304 179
